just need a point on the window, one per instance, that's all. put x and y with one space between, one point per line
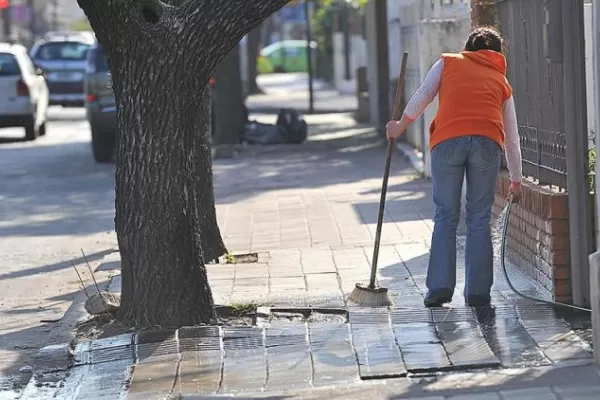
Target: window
9 65
62 51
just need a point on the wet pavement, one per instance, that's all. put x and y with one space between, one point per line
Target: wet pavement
348 347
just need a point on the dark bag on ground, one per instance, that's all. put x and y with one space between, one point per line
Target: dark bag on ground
258 133
292 126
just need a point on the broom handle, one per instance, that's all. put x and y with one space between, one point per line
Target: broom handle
386 173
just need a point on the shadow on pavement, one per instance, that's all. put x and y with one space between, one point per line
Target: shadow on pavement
55 190
56 266
311 165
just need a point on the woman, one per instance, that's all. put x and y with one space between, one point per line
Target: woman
475 120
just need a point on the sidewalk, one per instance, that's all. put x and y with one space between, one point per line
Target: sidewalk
291 91
310 212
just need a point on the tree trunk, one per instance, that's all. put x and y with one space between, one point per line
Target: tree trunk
161 55
253 51
230 115
484 13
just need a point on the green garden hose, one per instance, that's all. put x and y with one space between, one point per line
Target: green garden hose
506 213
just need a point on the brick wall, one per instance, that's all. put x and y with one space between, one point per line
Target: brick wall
538 235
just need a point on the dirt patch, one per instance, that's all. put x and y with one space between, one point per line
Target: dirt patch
295 315
99 327
249 258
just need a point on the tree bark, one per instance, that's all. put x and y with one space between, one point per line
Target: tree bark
253 50
229 100
483 13
161 55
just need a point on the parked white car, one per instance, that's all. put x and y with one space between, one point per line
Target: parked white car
23 92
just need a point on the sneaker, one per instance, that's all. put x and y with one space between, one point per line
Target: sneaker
478 301
438 297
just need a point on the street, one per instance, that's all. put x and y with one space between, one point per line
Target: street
55 201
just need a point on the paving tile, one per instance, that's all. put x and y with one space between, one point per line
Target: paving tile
287 283
466 345
155 346
334 359
283 272
415 301
325 299
415 333
243 338
377 352
476 396
317 261
246 271
326 281
401 316
200 338
289 367
560 333
95 381
251 283
543 393
286 336
200 372
558 352
115 348
446 314
513 346
352 258
369 316
153 380
578 392
425 357
538 316
244 371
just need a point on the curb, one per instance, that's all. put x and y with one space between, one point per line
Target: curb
64 331
412 155
51 363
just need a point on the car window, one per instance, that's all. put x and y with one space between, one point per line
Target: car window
9 65
62 51
292 51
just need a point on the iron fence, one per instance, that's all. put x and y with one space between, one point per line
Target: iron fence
538 88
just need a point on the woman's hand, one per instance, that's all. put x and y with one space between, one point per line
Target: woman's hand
393 129
515 190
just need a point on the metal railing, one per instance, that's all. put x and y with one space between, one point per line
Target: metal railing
538 88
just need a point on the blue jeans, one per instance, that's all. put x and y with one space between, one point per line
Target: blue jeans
478 157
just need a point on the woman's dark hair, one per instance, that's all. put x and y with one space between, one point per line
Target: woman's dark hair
484 39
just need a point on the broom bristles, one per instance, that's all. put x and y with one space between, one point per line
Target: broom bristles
366 297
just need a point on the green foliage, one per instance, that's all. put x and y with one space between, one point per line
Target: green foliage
322 24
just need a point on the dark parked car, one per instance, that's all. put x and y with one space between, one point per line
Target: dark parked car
62 58
100 105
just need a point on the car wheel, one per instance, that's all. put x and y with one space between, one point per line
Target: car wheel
31 132
103 144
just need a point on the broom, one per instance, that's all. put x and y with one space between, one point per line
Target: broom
371 296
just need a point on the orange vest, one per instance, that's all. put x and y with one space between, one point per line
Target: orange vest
472 93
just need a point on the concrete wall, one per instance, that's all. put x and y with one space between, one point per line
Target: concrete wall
441 35
589 70
428 28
